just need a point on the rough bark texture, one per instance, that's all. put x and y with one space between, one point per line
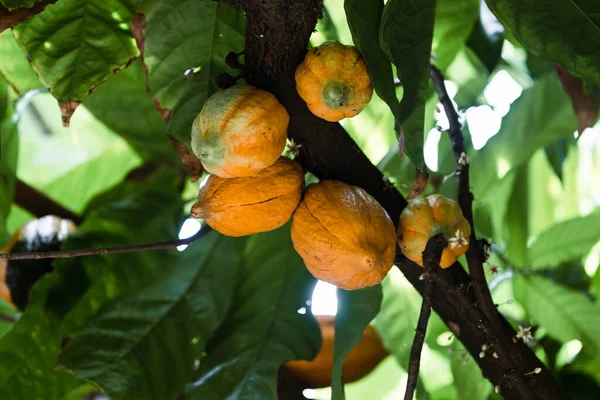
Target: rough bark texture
276 39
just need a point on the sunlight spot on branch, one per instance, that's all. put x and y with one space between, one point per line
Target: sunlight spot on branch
189 228
483 124
324 299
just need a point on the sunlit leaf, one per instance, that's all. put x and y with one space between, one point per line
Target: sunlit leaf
119 350
9 151
356 309
14 66
264 328
565 314
562 31
454 20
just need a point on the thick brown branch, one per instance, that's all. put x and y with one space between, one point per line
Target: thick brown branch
431 262
109 250
10 19
39 204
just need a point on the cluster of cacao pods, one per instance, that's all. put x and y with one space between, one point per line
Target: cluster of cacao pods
344 236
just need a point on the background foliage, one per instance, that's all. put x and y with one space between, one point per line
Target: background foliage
218 318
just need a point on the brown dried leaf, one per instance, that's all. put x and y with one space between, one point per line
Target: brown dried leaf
190 160
586 105
67 108
420 184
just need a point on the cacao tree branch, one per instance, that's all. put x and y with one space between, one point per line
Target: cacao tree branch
10 19
40 205
108 250
431 263
277 33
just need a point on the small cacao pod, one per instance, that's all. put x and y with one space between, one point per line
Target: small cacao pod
427 217
240 131
334 81
259 203
344 235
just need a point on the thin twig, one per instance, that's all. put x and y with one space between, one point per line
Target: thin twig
8 318
475 254
431 262
109 250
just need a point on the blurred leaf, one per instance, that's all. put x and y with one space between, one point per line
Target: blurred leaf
406 33
28 354
124 105
487 38
540 116
557 153
12 4
562 31
364 19
119 351
468 380
326 27
14 66
454 20
264 328
565 241
399 315
565 314
9 151
211 30
75 46
134 212
356 309
586 104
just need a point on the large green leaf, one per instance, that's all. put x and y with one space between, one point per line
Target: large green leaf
124 105
134 212
542 114
356 309
14 66
406 33
468 380
180 38
565 314
264 328
28 353
12 4
74 45
454 20
562 31
364 18
119 351
565 241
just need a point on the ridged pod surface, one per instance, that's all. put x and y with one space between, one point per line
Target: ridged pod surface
344 235
259 203
240 131
334 81
427 217
361 360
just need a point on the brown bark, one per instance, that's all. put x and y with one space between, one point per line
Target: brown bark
10 19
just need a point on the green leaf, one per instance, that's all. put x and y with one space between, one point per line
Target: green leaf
264 328
134 212
14 66
557 153
12 4
542 114
9 151
74 45
468 379
566 32
487 38
119 350
211 30
406 33
454 20
124 105
565 241
356 309
364 18
28 354
565 314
